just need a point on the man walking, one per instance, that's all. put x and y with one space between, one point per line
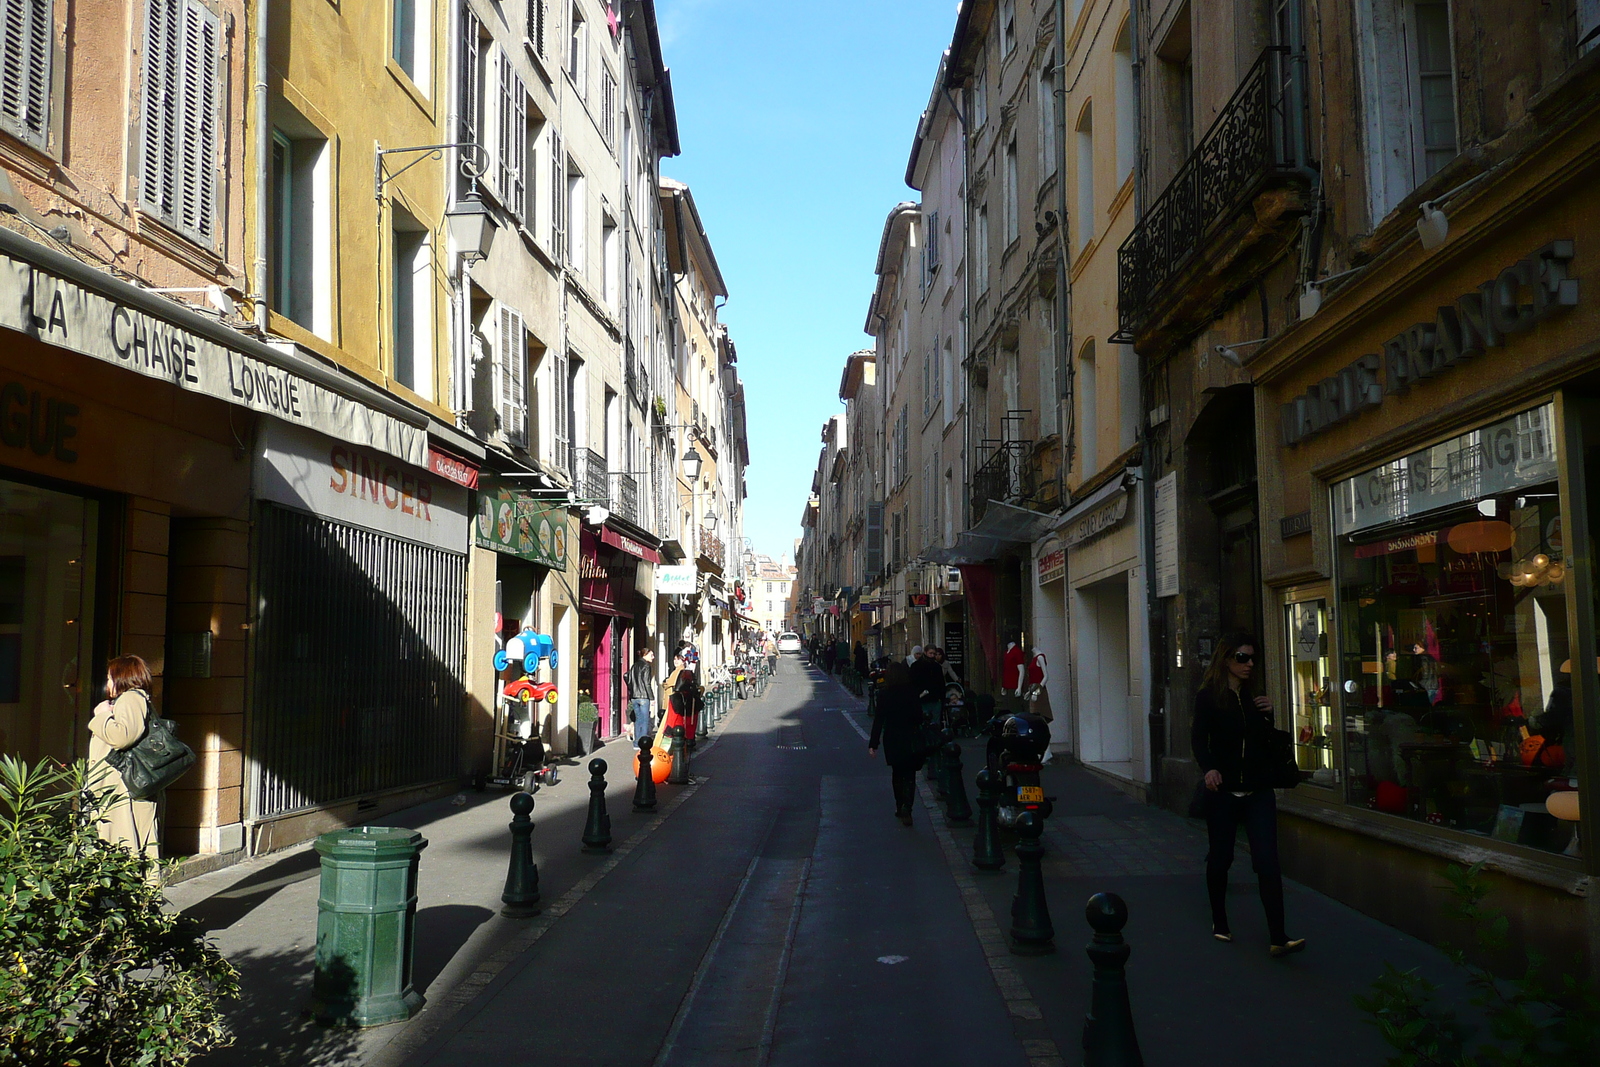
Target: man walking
641 682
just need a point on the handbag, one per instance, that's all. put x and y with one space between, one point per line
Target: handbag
1282 770
1200 803
153 762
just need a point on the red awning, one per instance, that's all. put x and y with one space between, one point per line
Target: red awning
452 468
628 545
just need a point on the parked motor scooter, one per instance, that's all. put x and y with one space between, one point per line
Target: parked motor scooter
1015 756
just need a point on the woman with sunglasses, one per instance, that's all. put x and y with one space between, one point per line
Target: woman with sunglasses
1231 738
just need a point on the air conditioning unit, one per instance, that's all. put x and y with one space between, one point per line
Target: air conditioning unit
952 580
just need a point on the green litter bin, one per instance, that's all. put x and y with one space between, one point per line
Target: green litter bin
366 919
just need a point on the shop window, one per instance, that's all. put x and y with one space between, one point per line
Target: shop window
47 579
1456 677
1310 688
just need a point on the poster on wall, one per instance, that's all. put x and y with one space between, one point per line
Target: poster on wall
1166 535
955 647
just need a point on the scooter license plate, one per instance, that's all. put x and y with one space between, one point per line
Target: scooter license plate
1030 794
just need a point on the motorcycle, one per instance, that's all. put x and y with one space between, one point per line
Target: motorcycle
1015 756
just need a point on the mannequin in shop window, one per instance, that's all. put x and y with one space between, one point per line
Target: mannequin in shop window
1035 695
1012 672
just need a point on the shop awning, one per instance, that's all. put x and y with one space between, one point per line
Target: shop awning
1002 526
627 544
516 523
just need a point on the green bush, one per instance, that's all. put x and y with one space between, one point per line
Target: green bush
92 970
1528 1024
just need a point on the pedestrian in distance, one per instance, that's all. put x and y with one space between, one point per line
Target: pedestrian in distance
1233 724
927 682
860 659
119 723
897 728
641 682
683 701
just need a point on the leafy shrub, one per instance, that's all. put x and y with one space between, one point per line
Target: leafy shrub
92 970
1528 1024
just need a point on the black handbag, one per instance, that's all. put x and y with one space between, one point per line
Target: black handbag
1283 772
153 762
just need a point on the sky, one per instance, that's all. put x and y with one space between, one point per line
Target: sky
796 120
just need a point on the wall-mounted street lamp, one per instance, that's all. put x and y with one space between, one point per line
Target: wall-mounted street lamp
1434 225
472 227
691 464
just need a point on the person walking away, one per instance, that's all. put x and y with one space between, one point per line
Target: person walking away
119 723
641 682
897 728
1231 739
860 660
927 683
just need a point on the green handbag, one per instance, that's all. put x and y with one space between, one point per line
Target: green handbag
153 762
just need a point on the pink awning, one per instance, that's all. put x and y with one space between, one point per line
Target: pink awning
629 545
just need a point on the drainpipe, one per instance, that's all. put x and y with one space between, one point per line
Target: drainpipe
263 161
1064 379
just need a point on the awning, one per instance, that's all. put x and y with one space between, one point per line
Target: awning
1002 526
518 524
629 545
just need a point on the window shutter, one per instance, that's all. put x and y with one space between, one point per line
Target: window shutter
874 540
538 18
562 394
471 104
511 146
512 360
933 242
25 75
608 107
558 199
182 57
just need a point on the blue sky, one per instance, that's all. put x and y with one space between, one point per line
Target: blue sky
796 120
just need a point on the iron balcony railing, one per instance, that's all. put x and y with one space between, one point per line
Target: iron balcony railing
1259 137
1002 474
711 547
625 497
589 475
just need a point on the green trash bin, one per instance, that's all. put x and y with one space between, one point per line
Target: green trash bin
366 918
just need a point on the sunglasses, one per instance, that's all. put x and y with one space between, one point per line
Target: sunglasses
1244 657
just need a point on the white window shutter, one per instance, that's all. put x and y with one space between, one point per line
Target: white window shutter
512 368
561 393
471 106
25 49
510 147
558 199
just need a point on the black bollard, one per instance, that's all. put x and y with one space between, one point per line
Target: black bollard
987 854
957 810
680 757
1108 1037
521 896
941 771
644 793
1031 932
597 830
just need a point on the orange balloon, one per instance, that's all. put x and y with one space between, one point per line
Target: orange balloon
660 766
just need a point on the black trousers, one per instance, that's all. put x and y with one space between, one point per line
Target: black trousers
904 780
1258 812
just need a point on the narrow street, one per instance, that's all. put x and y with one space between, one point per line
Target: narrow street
774 913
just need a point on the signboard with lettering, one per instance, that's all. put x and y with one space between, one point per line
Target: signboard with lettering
1096 521
681 578
1166 535
955 646
516 524
452 469
1052 566
359 486
1497 458
58 312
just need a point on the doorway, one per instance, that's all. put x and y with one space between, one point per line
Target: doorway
1105 676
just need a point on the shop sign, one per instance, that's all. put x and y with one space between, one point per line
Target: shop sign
1476 322
1052 566
918 600
1165 523
362 487
44 424
818 605
452 469
955 645
680 578
1096 521
61 313
516 524
1494 459
629 545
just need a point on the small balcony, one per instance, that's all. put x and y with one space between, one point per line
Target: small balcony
711 549
1257 144
590 475
1001 475
625 497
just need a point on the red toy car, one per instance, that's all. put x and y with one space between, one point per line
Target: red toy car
531 691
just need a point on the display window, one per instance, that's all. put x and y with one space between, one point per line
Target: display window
1455 676
1310 677
47 584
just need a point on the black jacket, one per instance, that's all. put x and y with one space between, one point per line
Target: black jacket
1233 739
927 676
897 727
641 679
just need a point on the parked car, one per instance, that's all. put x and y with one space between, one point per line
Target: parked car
788 641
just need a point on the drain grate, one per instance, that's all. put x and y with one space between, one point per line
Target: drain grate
791 737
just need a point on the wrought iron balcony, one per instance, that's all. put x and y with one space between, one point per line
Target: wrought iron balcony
711 548
625 497
1002 474
589 474
1257 140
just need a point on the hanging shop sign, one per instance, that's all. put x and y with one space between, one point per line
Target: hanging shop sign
1052 566
680 578
61 313
452 468
1493 459
336 480
1488 317
627 544
515 524
918 600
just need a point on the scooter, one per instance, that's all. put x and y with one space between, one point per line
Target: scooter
1015 756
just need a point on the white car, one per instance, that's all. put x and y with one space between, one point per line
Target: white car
789 641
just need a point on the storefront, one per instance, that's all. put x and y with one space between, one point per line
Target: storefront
1430 584
613 595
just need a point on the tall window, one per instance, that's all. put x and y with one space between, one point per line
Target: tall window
411 296
510 377
181 117
1047 124
1088 414
472 69
539 27
608 107
25 48
980 236
1008 27
1085 139
510 146
558 198
299 253
1434 132
1128 395
1408 72
411 39
576 226
578 50
1126 108
1010 193
980 101
611 259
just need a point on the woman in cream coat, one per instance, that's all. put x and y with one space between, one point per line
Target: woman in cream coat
118 723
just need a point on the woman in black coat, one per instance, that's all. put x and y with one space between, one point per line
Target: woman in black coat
897 725
1232 744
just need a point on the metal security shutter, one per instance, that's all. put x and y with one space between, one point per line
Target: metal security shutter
181 68
25 75
359 663
511 384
